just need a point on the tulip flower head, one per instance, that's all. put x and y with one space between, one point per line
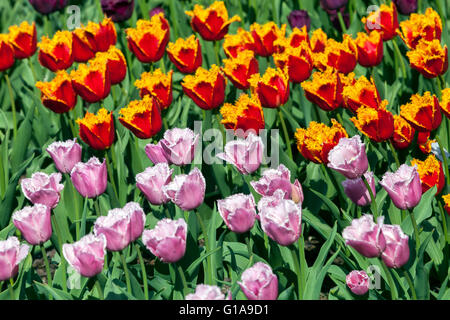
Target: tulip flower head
23 39
185 54
207 292
48 6
299 18
446 199
246 155
422 112
90 178
280 218
406 7
7 57
445 102
118 10
58 95
297 61
115 63
238 212
264 37
377 124
12 253
370 48
234 43
429 58
357 191
65 154
403 133
259 282
358 282
152 180
167 240
272 89
179 146
396 253
363 93
157 85
43 188
427 26
87 255
240 69
383 20
349 157
34 223
156 153
97 130
431 173
365 236
92 82
56 53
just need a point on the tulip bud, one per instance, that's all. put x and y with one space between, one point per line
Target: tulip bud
357 191
207 292
396 253
246 155
90 178
238 212
280 218
349 157
403 186
65 154
86 256
152 180
34 223
12 253
167 240
358 282
187 191
259 282
179 145
118 10
43 189
299 18
365 236
121 226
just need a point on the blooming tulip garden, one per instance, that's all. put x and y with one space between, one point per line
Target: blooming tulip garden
224 150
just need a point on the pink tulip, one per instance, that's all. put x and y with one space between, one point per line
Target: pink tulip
151 181
207 292
280 218
43 189
90 178
246 155
187 191
357 191
167 240
12 253
156 153
403 186
280 178
121 226
365 236
87 255
349 157
34 223
358 282
65 154
238 211
259 282
179 145
396 253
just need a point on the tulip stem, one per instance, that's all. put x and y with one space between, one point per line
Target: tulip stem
97 206
286 134
183 279
174 18
394 153
125 269
99 289
297 271
303 263
341 22
216 51
11 289
111 176
47 265
416 230
144 272
13 104
205 238
410 283
444 222
372 197
75 204
444 159
63 261
139 161
390 281
249 247
402 63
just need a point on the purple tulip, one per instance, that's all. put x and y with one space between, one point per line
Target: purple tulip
90 178
118 10
349 157
187 191
156 153
299 18
87 255
65 154
259 282
155 11
43 189
207 292
12 253
280 178
406 7
121 226
403 186
396 253
238 211
357 191
365 236
167 240
34 223
179 145
333 4
358 282
151 181
246 155
280 218
48 6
